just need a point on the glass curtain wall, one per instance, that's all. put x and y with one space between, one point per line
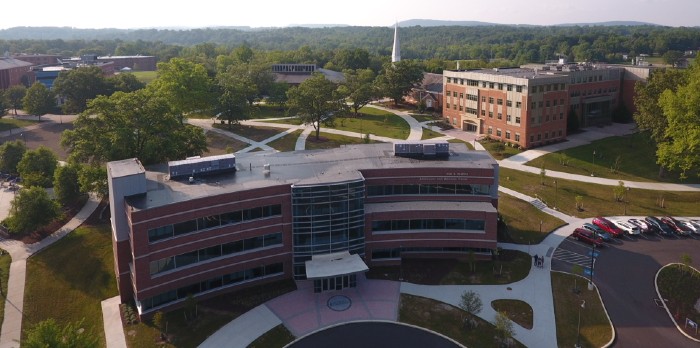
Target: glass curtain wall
327 218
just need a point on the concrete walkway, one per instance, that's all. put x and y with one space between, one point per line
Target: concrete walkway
11 331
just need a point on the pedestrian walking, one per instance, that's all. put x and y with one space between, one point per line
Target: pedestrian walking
535 259
541 261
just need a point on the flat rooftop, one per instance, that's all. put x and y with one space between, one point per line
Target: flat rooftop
300 168
522 73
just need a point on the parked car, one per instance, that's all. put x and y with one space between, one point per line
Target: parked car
599 231
587 236
695 223
608 226
631 230
677 227
658 226
643 225
693 228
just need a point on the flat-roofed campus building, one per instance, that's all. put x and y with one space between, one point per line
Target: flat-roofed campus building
319 215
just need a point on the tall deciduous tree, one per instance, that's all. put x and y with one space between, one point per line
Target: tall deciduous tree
125 125
232 104
93 178
649 116
79 85
359 88
315 100
39 100
185 85
66 186
681 148
30 209
14 96
398 79
125 82
37 167
11 153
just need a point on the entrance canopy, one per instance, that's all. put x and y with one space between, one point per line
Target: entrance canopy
335 264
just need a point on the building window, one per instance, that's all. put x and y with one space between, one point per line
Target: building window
532 138
472 97
554 102
483 84
454 106
507 134
549 88
561 86
498 132
500 116
509 103
556 86
546 135
517 119
561 115
500 86
491 84
540 104
547 103
541 89
449 80
461 81
517 136
518 104
461 95
519 89
546 118
508 119
491 114
533 89
483 112
490 100
509 88
460 108
499 101
490 130
539 137
454 94
454 120
483 99
533 105
448 105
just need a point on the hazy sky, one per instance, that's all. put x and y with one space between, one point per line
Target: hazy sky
202 13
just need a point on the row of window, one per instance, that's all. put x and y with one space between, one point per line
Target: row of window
509 118
547 88
580 79
498 133
213 221
546 116
576 93
427 224
213 252
226 280
546 103
546 136
491 100
428 189
395 253
485 84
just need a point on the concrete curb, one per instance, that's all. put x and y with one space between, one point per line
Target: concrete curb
376 321
656 286
605 309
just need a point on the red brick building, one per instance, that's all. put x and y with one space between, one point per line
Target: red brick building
39 59
11 71
279 215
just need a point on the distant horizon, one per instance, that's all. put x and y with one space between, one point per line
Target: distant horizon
131 14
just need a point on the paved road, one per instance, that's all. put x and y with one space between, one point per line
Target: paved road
374 334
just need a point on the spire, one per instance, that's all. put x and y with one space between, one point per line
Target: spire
396 51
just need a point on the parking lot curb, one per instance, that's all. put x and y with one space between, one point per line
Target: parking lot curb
656 286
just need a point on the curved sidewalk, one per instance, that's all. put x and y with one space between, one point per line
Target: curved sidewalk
11 331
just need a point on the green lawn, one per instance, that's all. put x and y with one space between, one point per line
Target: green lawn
522 221
262 111
598 199
447 320
520 312
681 286
331 141
425 118
5 261
430 134
145 76
218 144
287 142
250 132
278 337
498 149
633 156
7 123
68 280
595 327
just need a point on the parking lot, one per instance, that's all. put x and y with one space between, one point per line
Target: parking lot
624 272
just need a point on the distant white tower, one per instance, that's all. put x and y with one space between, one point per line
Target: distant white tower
396 51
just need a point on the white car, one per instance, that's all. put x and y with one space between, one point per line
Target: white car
627 227
694 227
643 225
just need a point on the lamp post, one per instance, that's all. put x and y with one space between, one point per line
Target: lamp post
555 194
590 279
578 330
627 201
540 226
593 162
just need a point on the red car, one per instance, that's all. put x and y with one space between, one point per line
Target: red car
608 226
587 236
676 225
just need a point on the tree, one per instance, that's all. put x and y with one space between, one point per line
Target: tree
124 82
4 105
359 88
39 100
315 100
66 186
79 85
11 153
277 95
125 125
233 89
649 116
93 178
398 79
671 57
470 302
680 148
48 333
37 167
185 85
619 191
30 209
579 202
14 96
504 327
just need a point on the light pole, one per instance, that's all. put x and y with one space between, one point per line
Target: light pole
555 194
627 201
540 226
590 281
593 162
578 330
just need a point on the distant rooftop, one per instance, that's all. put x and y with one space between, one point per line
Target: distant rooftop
9 63
309 167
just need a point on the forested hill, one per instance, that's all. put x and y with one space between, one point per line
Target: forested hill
521 43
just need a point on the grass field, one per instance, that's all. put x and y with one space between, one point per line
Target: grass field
218 144
7 123
145 76
459 141
263 111
430 134
633 156
498 150
598 199
522 221
5 261
681 286
331 141
447 320
278 337
287 142
250 132
518 311
595 327
68 280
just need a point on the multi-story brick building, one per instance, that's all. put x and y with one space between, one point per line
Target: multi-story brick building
11 72
529 106
273 216
39 59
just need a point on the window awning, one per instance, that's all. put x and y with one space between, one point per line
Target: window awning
335 264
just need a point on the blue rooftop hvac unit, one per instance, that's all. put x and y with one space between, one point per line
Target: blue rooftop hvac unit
422 150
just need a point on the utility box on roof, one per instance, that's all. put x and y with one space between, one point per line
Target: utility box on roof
201 166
